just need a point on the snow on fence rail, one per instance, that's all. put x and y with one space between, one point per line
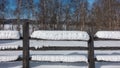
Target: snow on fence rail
63 58
3 47
8 58
72 35
114 58
52 35
10 44
68 35
9 34
108 34
60 35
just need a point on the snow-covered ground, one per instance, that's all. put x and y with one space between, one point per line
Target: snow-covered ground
59 65
43 65
9 55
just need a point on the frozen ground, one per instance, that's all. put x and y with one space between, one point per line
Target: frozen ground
43 65
59 65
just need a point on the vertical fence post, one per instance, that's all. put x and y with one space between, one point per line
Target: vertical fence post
26 45
91 59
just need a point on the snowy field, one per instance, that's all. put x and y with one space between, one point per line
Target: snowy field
58 65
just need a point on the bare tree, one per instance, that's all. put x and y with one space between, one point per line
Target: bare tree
105 13
18 13
3 4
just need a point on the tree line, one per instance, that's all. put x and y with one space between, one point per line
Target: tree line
62 14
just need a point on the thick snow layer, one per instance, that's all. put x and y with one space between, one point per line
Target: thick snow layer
9 34
108 34
59 52
108 57
64 53
61 35
14 44
107 52
35 64
111 66
64 58
40 44
2 47
59 66
8 58
10 44
107 43
11 53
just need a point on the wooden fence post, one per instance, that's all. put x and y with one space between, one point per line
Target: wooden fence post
91 59
26 45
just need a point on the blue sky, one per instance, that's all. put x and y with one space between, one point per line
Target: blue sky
91 1
12 3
